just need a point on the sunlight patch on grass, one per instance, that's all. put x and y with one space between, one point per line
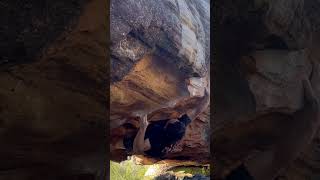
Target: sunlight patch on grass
127 170
192 170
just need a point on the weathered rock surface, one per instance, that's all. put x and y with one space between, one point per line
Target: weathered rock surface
276 84
263 50
24 23
53 108
175 30
155 47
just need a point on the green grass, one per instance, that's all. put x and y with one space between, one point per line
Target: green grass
127 170
193 170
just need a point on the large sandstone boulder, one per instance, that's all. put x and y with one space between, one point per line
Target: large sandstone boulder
155 47
263 50
53 106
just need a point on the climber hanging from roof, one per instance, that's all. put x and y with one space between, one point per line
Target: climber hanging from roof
156 139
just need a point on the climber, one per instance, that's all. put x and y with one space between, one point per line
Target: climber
158 138
298 134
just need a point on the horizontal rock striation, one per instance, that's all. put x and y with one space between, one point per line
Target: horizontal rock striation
155 47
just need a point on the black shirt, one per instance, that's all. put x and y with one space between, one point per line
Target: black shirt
155 132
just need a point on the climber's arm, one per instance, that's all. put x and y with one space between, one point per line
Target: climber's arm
192 106
140 144
201 104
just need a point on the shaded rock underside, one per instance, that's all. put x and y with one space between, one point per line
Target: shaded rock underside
263 50
53 97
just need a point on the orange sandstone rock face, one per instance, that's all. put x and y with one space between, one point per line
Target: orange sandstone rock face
155 48
149 88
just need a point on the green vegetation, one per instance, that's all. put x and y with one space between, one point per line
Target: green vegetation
127 170
192 170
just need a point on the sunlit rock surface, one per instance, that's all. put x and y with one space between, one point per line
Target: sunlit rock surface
263 50
156 46
177 31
